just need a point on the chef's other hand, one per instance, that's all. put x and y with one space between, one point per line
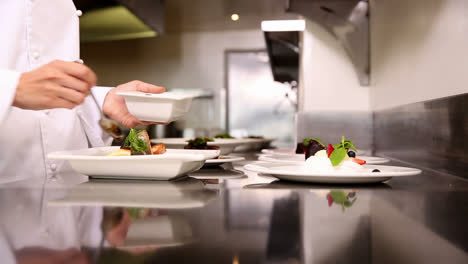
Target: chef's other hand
114 105
58 84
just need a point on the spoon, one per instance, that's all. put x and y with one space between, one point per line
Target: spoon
108 125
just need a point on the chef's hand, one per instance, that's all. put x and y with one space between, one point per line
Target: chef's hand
114 105
58 84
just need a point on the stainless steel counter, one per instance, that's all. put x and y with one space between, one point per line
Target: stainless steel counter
228 215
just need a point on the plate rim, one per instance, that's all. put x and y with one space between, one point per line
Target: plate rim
67 155
231 159
165 95
363 175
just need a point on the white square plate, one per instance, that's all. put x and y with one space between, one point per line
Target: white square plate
164 107
172 164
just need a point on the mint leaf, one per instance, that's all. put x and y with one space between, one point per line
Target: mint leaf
347 144
338 156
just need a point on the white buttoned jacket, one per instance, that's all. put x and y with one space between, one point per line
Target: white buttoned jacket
35 32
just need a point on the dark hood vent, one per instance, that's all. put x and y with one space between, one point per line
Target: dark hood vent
348 21
120 19
283 51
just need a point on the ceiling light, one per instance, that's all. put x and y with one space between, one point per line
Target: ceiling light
283 25
235 17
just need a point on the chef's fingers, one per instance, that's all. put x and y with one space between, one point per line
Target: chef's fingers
77 70
148 88
74 83
62 103
70 95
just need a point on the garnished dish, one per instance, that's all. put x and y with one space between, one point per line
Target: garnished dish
339 157
137 143
255 137
136 158
224 135
224 145
200 143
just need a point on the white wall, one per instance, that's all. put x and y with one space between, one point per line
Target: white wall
182 60
329 82
187 60
419 50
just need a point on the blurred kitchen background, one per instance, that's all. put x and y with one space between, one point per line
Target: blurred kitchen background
356 68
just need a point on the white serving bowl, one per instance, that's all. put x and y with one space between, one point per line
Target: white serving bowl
164 107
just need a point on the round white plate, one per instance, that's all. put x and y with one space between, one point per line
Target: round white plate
299 159
300 174
255 144
222 160
226 145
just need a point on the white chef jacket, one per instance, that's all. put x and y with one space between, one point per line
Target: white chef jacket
35 32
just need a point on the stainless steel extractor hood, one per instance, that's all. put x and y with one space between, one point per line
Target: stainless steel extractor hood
120 19
348 21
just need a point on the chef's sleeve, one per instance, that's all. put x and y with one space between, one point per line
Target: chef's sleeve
90 114
8 82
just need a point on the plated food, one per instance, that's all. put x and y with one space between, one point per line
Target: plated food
336 163
301 173
322 157
223 135
136 159
137 143
226 146
200 143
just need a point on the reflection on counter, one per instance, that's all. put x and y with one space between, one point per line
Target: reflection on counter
183 193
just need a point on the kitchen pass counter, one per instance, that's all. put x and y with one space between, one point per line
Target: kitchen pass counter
227 215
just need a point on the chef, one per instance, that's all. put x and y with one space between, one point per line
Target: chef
45 104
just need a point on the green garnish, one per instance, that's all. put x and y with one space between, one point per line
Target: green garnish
134 143
338 156
340 151
223 135
347 144
306 141
199 141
